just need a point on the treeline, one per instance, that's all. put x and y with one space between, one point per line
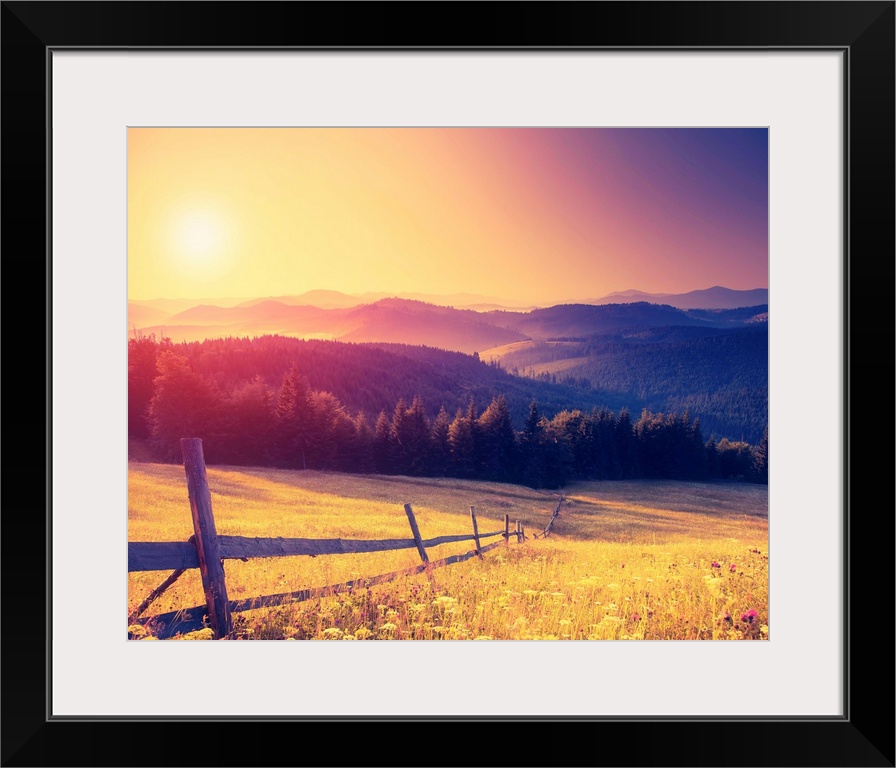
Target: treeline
721 374
368 377
295 426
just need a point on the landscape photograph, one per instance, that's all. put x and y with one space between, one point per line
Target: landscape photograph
448 384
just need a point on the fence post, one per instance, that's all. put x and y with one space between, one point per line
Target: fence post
210 566
519 531
418 540
475 531
506 529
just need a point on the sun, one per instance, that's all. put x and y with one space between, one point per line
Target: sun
201 241
199 235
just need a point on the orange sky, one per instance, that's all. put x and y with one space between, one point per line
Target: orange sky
527 214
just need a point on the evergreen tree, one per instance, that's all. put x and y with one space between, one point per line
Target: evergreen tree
363 451
441 444
760 460
606 442
383 445
648 432
577 432
411 431
294 421
478 457
142 373
400 456
735 459
331 433
556 455
463 446
246 425
697 452
498 442
626 446
183 405
713 467
530 444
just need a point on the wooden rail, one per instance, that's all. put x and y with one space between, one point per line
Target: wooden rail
547 530
207 552
171 555
169 624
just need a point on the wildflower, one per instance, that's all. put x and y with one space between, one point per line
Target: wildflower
726 617
636 616
136 631
748 616
715 564
732 568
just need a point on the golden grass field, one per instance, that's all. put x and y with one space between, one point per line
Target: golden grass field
646 560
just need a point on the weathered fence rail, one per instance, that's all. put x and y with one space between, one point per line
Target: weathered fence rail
547 529
207 551
165 555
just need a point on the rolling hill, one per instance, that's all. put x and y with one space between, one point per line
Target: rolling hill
716 297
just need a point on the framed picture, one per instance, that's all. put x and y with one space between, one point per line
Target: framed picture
816 76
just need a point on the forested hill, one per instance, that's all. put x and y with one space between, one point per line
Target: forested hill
720 375
373 377
387 408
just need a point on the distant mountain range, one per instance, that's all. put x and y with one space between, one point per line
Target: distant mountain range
716 297
709 298
634 353
332 315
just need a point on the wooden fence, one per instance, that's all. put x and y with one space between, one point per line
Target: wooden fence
547 529
207 551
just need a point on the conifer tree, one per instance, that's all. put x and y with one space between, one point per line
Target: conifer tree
411 430
463 447
246 424
383 445
183 405
530 443
626 447
498 442
441 444
760 459
294 421
363 451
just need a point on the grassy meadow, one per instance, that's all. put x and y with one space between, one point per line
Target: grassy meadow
646 560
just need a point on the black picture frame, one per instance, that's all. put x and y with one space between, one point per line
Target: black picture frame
864 31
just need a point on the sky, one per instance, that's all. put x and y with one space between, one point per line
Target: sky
531 215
